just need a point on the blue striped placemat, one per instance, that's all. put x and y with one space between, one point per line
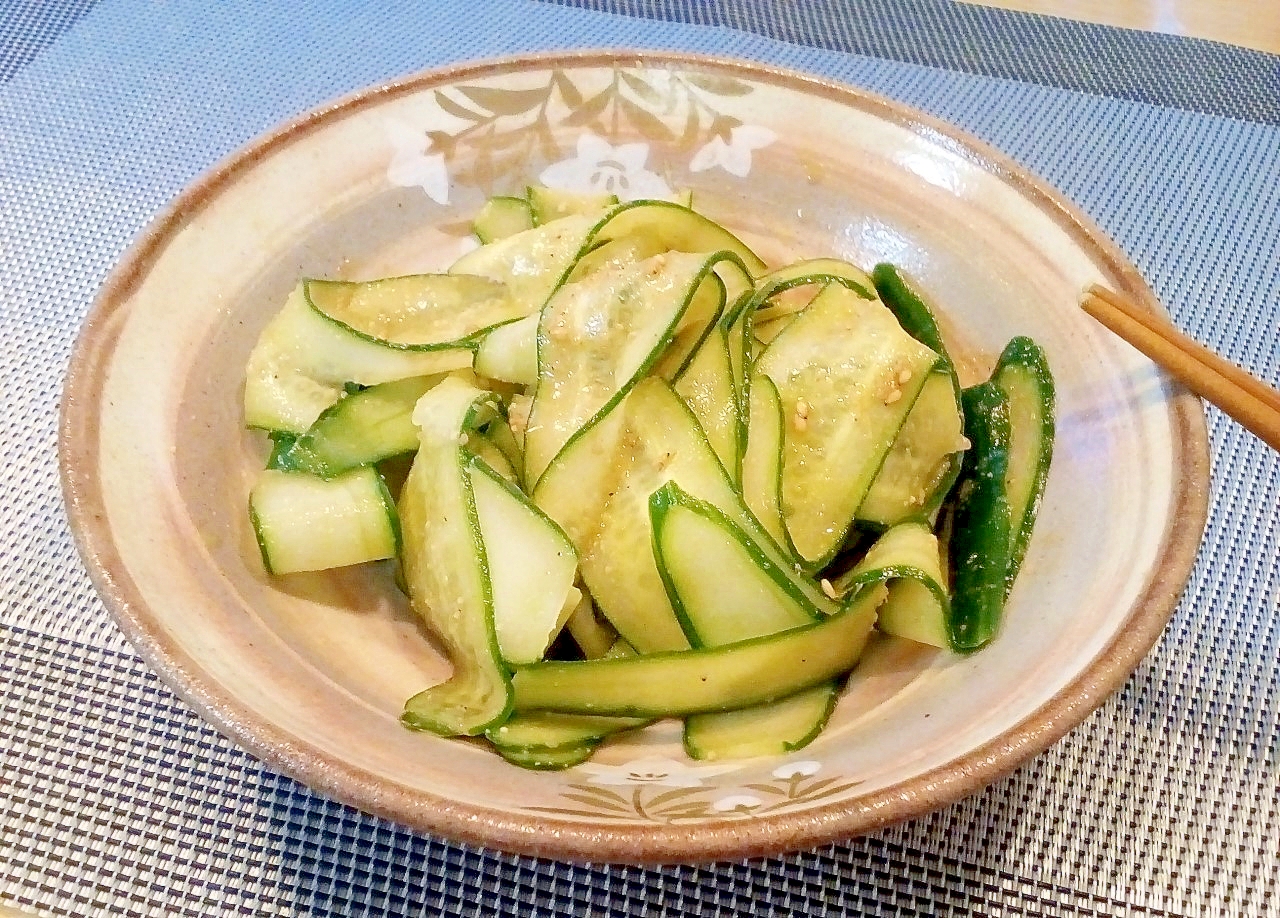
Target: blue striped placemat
116 800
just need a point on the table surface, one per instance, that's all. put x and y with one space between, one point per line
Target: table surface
1251 23
115 799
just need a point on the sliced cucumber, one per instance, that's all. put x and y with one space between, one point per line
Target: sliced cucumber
768 729
1010 421
982 533
707 387
447 570
672 227
593 636
538 759
307 523
847 375
655 440
531 566
597 337
722 586
696 325
724 590
482 446
923 439
767 329
549 730
1023 374
510 352
618 564
547 204
531 263
822 271
679 683
908 559
925 458
419 312
762 460
914 314
501 217
302 362
360 429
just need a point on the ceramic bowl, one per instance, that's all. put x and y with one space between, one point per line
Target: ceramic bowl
310 672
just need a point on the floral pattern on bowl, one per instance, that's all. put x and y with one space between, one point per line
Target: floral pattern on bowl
511 133
667 791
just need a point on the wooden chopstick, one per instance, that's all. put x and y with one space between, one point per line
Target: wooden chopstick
1253 403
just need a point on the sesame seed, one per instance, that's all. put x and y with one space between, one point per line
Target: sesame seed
893 396
904 377
828 590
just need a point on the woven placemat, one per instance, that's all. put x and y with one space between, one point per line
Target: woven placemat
115 799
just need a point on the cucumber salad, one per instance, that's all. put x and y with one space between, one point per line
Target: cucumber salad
630 472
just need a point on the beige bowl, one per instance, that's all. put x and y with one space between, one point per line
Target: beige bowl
310 672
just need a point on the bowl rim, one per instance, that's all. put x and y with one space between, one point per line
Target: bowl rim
529 834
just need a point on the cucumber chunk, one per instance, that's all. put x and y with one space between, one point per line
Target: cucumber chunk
306 523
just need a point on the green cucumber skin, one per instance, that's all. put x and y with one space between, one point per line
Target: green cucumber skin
769 289
1022 353
980 539
913 314
282 443
262 542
